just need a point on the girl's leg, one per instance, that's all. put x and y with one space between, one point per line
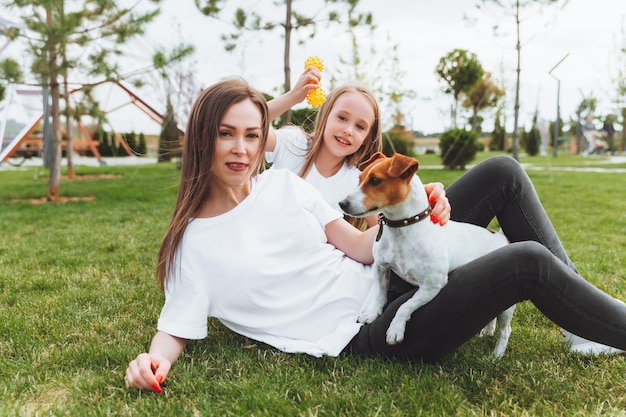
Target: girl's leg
478 291
499 187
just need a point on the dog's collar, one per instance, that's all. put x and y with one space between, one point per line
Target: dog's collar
383 221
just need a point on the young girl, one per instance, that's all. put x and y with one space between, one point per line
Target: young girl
231 252
347 132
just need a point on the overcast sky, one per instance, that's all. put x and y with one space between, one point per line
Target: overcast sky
589 32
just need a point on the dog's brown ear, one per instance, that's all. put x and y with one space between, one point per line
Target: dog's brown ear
373 158
403 166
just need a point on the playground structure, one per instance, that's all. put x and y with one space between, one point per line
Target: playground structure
29 140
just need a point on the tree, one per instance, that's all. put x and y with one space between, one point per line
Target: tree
483 95
381 73
169 139
532 139
249 20
10 72
514 9
460 70
58 33
498 136
175 74
458 147
620 85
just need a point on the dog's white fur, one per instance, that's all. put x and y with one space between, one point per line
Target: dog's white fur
422 253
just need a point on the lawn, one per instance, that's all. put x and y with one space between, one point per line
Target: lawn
78 300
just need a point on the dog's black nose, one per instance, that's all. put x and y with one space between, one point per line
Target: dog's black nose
344 204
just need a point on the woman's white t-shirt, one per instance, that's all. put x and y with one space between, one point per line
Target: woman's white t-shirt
290 152
266 270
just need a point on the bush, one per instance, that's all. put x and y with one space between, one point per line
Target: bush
305 118
458 147
169 139
532 141
394 143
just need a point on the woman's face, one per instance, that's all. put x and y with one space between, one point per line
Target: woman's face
349 123
238 144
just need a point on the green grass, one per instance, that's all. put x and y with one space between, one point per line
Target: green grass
78 301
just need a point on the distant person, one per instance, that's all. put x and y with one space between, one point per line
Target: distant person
594 145
608 133
544 134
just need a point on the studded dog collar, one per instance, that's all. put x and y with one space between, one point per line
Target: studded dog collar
383 221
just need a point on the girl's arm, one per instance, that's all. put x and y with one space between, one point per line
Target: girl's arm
307 81
310 79
351 241
148 370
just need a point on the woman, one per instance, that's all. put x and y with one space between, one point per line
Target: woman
268 257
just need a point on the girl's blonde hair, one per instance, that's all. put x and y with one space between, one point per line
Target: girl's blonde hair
198 158
371 144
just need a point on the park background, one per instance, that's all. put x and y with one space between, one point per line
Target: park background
78 298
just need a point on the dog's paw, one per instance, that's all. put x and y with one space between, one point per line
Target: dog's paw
367 317
489 330
395 333
371 313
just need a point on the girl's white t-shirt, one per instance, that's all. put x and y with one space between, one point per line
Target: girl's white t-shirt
266 270
290 152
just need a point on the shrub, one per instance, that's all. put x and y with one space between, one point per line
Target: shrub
169 139
458 147
393 142
532 141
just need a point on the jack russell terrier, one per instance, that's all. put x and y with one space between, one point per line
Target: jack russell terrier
422 253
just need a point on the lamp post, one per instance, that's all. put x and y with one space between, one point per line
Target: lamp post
555 139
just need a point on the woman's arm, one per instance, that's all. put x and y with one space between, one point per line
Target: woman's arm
351 241
148 370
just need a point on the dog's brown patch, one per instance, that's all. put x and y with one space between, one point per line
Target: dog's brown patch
384 183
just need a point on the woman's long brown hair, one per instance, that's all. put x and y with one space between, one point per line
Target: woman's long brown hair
198 157
371 144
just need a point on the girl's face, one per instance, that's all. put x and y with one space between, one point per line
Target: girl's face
348 125
238 144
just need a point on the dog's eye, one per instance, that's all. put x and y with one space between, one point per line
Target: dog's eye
374 181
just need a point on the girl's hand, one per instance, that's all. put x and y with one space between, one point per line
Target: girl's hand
147 372
441 210
308 80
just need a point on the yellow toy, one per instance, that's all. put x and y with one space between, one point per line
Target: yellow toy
315 97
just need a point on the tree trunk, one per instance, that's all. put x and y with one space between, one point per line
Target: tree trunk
68 122
518 48
286 118
55 144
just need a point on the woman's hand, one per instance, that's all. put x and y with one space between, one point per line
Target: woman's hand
441 210
147 372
